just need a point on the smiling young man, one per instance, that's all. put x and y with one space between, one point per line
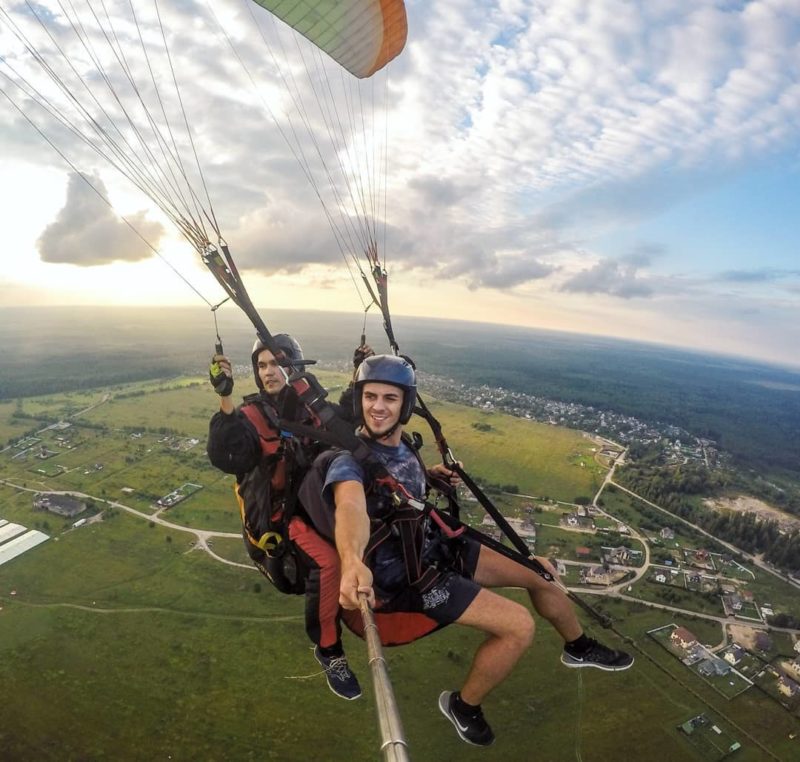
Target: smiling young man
450 575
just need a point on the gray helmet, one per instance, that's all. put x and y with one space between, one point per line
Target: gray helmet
387 369
285 343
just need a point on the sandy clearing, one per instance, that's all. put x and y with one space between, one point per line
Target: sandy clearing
744 636
747 504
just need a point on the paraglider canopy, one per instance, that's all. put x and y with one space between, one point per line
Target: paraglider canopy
361 35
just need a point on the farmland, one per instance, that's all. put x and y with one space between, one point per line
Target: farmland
216 665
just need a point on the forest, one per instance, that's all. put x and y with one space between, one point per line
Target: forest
751 410
673 488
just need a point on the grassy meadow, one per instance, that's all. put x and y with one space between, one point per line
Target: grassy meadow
121 640
547 462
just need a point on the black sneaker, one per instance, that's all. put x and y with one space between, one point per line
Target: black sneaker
598 655
471 728
340 677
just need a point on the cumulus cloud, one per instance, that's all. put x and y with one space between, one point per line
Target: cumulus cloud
282 238
563 95
506 272
613 277
88 232
520 134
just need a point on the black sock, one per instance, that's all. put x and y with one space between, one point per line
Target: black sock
579 645
462 707
332 651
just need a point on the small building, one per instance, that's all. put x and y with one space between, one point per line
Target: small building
578 521
763 641
620 555
583 552
598 575
732 602
666 534
734 654
682 638
524 528
660 577
713 667
61 505
788 687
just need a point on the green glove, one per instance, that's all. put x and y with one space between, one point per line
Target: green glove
362 353
220 380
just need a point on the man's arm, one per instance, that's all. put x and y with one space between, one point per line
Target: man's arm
233 443
352 535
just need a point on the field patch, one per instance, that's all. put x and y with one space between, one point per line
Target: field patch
549 462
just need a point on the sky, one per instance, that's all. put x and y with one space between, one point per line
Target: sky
619 168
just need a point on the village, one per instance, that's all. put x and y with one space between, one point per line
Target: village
592 546
677 445
746 655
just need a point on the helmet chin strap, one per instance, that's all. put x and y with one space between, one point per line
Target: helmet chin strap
375 437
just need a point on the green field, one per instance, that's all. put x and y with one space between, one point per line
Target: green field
548 462
673 595
648 520
121 640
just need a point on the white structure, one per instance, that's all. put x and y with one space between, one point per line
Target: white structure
9 531
21 544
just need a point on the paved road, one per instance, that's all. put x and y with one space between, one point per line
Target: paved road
202 535
724 621
752 559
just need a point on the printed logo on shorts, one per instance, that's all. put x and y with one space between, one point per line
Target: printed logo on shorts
435 597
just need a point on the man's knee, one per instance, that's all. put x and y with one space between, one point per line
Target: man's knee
525 629
500 617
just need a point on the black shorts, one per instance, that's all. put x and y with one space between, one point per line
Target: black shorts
451 593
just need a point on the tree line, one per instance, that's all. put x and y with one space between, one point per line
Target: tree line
674 489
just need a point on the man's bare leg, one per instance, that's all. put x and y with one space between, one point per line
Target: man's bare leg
509 628
509 631
495 570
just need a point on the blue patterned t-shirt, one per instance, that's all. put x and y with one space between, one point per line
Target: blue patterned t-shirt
401 462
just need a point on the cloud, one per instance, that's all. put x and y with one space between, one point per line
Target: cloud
87 231
613 277
765 275
281 237
524 136
435 192
503 272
